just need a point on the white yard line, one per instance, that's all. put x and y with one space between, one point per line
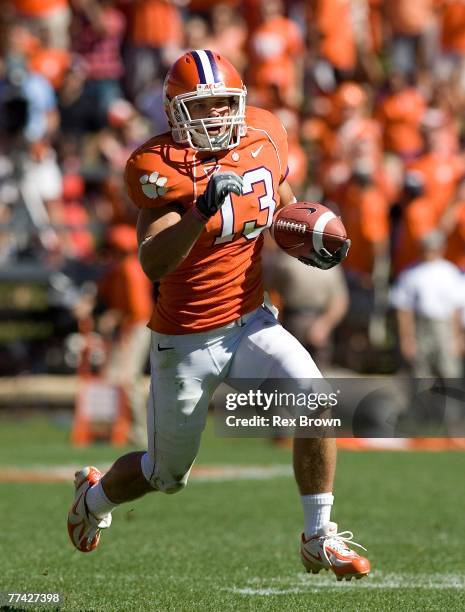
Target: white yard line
200 473
376 580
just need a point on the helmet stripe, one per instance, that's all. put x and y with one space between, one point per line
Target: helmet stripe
213 64
198 63
205 64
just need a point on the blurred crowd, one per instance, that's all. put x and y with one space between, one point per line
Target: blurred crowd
372 94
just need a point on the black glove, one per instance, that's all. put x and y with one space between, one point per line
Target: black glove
219 186
326 260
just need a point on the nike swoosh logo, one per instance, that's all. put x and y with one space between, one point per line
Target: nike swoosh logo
75 505
257 152
165 348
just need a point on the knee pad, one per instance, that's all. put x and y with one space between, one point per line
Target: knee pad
163 477
167 482
175 487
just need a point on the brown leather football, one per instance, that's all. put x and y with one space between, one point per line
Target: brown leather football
303 227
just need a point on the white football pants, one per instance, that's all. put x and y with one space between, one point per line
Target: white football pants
187 369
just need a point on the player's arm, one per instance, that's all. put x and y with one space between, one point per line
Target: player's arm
324 261
167 234
165 238
286 195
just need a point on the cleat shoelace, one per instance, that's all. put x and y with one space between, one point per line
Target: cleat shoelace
339 543
96 525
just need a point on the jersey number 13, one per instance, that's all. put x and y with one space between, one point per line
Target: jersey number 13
265 202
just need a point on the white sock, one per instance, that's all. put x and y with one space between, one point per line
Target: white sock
97 502
317 511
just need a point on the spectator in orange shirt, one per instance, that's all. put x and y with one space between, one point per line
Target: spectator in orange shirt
154 38
341 38
276 50
127 294
400 112
357 136
331 31
413 40
52 16
71 220
229 34
440 165
52 64
453 225
314 133
43 57
365 213
356 129
297 158
419 216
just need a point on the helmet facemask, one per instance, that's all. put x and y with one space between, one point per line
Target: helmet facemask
195 132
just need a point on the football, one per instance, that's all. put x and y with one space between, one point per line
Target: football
303 227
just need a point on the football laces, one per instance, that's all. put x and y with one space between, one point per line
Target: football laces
292 226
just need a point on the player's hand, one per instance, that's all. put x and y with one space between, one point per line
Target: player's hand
326 260
219 187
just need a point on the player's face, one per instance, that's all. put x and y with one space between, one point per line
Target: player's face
209 108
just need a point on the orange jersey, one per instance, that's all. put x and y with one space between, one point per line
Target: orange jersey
221 278
455 249
52 64
155 23
453 26
336 41
441 174
365 214
125 287
400 114
36 8
419 218
274 47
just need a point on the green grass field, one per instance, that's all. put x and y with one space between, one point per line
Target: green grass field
232 544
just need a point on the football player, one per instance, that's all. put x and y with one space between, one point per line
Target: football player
206 191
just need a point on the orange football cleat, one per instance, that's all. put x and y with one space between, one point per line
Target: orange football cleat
83 527
328 549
